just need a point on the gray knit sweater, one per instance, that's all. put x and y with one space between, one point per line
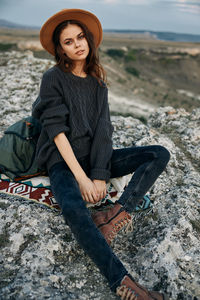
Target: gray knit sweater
78 107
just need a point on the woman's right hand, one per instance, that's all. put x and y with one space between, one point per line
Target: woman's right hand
88 189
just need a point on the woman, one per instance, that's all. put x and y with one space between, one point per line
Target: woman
75 145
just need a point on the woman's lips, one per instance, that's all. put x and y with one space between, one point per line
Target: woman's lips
80 52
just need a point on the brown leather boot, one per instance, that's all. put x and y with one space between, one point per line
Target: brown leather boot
110 222
131 290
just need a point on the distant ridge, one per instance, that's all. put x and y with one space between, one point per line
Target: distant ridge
8 24
165 36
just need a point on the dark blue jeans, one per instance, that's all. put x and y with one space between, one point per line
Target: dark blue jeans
147 163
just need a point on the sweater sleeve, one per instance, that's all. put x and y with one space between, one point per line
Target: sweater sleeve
101 150
49 107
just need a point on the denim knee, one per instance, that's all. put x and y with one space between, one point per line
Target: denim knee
163 155
74 213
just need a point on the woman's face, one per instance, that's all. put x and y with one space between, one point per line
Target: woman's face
74 43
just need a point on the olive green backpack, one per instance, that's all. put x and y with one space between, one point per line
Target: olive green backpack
17 149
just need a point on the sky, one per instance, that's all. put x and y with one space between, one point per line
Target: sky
181 16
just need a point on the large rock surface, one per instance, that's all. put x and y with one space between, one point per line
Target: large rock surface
39 256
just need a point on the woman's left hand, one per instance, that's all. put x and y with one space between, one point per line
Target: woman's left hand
101 188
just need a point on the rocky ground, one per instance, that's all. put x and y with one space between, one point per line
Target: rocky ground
39 256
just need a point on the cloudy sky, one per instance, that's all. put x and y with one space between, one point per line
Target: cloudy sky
181 16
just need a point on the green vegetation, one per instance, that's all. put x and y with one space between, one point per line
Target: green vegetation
119 53
6 47
115 53
143 120
133 71
126 57
131 55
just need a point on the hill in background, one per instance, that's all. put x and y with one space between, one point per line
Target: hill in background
143 72
165 36
8 24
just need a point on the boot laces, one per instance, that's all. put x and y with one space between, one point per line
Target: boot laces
126 222
126 293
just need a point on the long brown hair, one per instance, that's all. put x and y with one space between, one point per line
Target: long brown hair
92 66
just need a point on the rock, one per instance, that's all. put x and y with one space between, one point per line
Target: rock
19 83
39 256
30 45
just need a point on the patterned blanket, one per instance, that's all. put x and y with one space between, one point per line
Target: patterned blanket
38 189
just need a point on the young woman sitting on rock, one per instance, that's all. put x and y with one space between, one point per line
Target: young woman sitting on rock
75 145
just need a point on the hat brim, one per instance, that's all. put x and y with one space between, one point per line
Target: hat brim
87 18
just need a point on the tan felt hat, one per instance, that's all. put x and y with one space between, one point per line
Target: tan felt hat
86 17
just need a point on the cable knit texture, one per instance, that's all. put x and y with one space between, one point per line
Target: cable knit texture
78 107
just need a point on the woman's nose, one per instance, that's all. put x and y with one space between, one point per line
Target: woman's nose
77 43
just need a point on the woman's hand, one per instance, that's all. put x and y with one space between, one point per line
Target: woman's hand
101 188
88 189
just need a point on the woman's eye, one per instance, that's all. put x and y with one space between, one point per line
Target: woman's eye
81 37
68 43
